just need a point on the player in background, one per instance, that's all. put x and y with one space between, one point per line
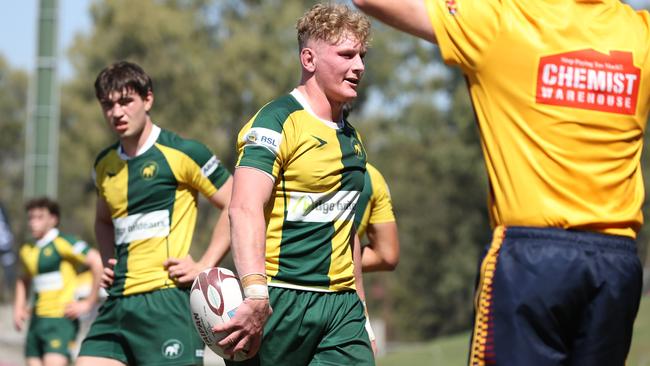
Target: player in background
48 263
298 178
148 184
375 219
561 91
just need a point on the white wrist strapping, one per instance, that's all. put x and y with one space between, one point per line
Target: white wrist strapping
256 291
371 333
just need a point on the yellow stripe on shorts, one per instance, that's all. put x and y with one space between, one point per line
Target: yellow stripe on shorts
483 299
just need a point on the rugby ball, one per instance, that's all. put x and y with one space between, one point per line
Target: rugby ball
215 296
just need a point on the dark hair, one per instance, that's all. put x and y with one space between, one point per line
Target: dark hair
122 76
46 203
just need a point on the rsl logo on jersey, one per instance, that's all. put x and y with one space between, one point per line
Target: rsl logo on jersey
264 137
588 79
149 170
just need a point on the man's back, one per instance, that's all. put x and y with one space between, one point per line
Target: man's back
559 91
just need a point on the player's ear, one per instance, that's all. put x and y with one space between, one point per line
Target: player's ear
308 59
148 101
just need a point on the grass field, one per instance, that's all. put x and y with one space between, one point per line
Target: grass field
452 351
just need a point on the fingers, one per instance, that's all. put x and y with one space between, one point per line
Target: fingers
112 262
170 262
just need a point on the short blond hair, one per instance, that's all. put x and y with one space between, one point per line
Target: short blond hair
331 23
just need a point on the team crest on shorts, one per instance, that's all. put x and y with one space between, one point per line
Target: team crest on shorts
149 170
172 348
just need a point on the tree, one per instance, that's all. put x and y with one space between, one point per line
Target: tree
13 108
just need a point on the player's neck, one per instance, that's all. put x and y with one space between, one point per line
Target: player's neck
322 106
132 144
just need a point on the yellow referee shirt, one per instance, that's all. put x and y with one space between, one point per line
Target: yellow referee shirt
561 105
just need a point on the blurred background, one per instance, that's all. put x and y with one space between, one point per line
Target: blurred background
214 63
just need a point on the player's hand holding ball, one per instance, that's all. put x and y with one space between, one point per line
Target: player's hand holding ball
231 326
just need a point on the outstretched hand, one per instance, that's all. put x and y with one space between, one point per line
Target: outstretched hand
183 271
246 328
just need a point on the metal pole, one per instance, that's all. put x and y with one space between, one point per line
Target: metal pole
42 130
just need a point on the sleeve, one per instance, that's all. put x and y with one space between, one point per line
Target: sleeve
465 29
381 203
22 260
261 144
72 249
200 168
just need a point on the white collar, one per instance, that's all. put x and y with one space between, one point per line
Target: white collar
305 104
153 136
47 238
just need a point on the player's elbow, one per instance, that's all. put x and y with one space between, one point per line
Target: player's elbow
391 262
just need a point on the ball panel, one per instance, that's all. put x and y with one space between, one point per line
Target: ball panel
214 298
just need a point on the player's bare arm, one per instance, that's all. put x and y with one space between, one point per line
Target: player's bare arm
76 309
105 236
185 270
251 191
382 251
410 16
358 283
21 312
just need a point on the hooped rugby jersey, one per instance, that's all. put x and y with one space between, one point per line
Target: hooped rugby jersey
152 198
50 263
561 91
318 168
375 205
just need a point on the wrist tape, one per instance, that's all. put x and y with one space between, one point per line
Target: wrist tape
255 286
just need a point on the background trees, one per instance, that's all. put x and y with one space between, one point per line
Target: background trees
214 63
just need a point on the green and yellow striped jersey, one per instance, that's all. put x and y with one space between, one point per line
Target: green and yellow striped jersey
152 198
375 205
50 263
318 168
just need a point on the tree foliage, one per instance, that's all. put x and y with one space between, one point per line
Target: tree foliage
215 62
13 109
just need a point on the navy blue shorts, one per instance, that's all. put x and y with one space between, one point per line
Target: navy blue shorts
549 296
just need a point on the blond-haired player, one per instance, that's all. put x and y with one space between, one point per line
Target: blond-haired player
298 178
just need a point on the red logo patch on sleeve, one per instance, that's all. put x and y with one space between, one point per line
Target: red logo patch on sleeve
588 79
452 7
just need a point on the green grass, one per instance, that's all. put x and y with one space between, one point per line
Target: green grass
452 350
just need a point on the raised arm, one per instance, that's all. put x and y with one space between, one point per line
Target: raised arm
410 16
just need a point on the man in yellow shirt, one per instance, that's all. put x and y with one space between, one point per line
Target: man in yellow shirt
561 90
375 219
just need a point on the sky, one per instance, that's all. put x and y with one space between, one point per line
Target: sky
18 28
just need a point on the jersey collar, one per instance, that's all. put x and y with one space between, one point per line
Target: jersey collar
305 104
153 136
47 238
